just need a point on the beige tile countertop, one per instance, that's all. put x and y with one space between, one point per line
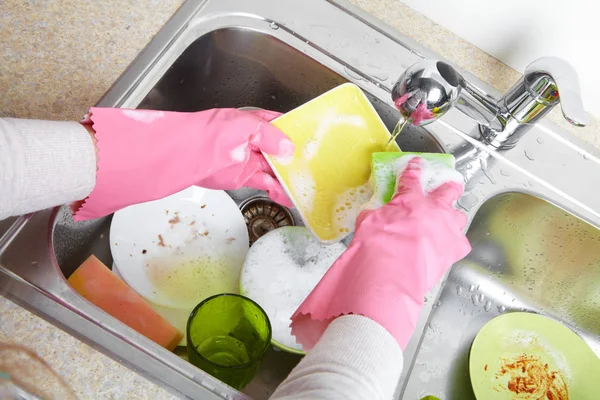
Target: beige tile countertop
59 57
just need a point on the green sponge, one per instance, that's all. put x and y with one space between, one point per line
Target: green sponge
383 171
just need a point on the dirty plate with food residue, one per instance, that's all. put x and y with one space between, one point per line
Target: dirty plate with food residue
179 250
529 356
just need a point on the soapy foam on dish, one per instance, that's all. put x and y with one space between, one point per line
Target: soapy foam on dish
349 205
304 189
326 124
281 269
335 136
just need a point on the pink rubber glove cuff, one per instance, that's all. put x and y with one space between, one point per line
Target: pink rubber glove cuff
399 252
146 155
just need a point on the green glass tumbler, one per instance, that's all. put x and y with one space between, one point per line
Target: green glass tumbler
227 336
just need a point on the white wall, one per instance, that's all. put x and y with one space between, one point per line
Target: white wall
520 31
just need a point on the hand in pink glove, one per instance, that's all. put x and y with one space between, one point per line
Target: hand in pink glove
146 155
399 252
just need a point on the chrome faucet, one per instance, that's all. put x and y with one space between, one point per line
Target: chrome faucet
429 88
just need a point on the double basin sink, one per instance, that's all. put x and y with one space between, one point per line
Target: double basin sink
533 210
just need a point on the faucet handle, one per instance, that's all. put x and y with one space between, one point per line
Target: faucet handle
563 86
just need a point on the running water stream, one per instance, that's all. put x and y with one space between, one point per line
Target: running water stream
397 130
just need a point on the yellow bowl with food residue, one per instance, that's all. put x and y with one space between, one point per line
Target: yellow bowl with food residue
327 177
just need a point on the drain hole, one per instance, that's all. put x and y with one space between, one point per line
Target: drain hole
263 215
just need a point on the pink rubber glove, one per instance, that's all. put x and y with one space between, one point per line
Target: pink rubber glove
146 155
399 252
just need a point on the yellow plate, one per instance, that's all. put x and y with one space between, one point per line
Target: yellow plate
327 177
529 356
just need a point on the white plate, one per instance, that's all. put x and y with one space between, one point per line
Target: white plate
179 250
175 316
280 271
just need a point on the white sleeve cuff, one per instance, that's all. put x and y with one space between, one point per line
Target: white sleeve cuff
356 358
43 164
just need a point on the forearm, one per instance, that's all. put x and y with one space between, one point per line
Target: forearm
356 358
44 164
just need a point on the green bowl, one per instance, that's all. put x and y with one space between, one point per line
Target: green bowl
526 337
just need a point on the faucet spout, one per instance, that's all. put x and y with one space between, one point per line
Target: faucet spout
479 106
429 88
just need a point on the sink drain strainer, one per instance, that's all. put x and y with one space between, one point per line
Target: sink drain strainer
263 215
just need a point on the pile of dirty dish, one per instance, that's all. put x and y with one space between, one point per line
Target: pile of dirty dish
172 254
175 255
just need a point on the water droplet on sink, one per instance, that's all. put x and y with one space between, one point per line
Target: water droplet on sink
459 290
471 288
274 26
501 309
540 140
488 306
486 171
467 201
381 75
352 74
481 297
585 156
489 175
504 173
529 154
474 299
377 40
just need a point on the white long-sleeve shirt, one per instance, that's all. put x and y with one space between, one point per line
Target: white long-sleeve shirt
48 163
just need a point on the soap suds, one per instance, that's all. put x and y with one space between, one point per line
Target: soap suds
304 190
239 153
285 154
433 175
348 205
325 126
280 270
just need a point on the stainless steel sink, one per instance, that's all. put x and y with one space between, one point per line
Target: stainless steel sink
228 53
528 255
